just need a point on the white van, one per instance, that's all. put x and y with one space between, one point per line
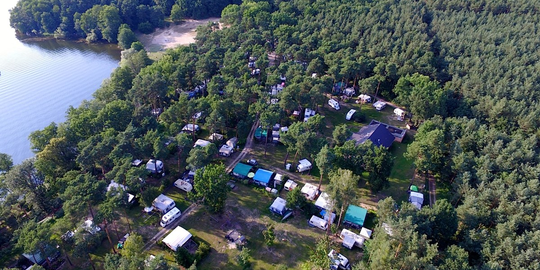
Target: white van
170 217
334 104
318 222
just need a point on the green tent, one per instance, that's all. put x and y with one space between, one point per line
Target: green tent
355 216
241 170
414 188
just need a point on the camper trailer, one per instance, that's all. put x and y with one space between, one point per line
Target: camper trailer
154 166
170 217
334 104
318 222
350 114
163 204
183 185
303 165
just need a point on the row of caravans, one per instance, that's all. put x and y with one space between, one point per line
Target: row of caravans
167 207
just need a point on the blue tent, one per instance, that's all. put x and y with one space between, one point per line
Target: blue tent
262 177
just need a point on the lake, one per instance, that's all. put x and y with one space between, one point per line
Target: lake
39 80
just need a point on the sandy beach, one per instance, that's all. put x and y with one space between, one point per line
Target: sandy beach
173 36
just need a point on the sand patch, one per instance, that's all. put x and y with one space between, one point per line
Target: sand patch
173 35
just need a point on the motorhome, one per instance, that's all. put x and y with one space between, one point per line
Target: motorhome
183 185
170 217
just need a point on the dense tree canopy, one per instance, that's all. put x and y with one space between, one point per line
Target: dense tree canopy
466 70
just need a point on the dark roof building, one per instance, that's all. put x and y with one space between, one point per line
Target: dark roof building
378 134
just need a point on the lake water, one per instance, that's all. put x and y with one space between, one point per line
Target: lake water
39 80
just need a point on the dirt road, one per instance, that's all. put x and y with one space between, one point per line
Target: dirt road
247 148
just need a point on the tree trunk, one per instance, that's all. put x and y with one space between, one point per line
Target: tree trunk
109 237
377 91
266 143
320 180
286 157
91 262
67 256
127 219
340 215
45 255
91 212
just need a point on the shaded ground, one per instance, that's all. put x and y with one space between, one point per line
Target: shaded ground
173 36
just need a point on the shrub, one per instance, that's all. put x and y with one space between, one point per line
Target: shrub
202 251
183 257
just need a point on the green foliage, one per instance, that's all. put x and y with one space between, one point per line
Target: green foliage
341 134
268 234
133 246
244 258
295 199
210 187
183 257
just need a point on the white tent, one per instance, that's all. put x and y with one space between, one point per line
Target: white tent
366 233
201 143
177 238
323 202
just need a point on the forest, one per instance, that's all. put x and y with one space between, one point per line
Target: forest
467 71
100 20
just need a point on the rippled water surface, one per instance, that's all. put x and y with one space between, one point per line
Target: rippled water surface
39 80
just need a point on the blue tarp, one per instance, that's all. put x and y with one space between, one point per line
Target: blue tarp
262 176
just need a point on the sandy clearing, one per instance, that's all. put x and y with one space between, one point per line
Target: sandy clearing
174 35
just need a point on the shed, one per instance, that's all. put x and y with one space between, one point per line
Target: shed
279 206
262 177
310 191
355 216
378 134
177 238
323 202
278 179
241 170
201 143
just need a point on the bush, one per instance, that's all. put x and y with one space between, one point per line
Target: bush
244 258
245 182
146 28
183 257
359 117
202 251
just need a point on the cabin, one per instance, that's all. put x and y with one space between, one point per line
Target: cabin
377 134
